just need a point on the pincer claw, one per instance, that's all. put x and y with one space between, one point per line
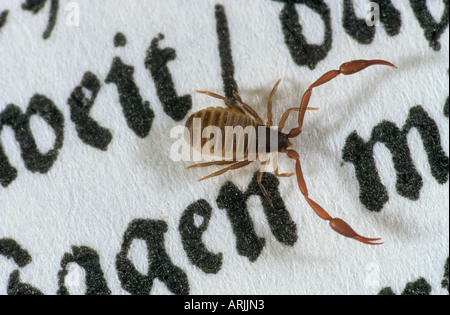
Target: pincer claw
346 230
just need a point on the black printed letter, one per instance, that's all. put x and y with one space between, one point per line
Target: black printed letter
3 17
363 33
191 236
301 52
234 202
373 194
88 259
226 57
160 266
138 114
11 249
89 131
156 61
34 160
432 30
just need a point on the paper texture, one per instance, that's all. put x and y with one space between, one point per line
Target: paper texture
93 202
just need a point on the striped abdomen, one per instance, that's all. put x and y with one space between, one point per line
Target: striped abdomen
222 132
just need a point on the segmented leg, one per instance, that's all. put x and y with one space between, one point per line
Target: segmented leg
286 115
347 68
248 108
275 167
227 101
259 179
269 104
336 224
236 165
211 163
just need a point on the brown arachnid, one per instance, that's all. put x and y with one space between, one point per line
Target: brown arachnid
236 116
